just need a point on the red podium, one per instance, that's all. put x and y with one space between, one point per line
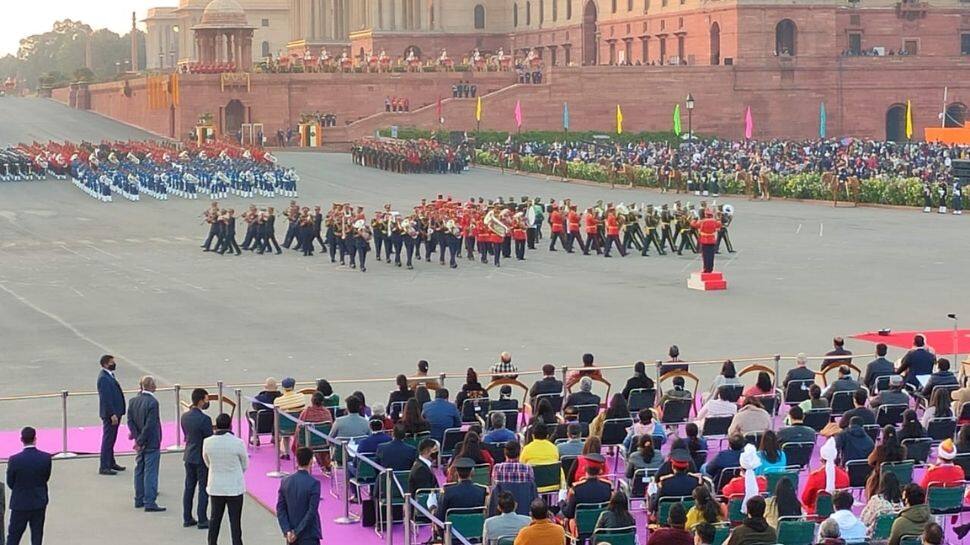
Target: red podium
707 281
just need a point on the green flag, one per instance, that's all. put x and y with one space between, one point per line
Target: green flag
677 119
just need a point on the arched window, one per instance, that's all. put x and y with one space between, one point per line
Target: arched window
515 14
786 38
956 115
896 123
479 17
264 49
528 13
715 44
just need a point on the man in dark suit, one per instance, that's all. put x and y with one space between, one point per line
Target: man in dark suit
421 475
464 493
196 426
145 429
917 362
942 377
111 402
396 454
298 504
27 475
879 367
548 384
441 414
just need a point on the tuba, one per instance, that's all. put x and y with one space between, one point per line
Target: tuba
495 225
452 227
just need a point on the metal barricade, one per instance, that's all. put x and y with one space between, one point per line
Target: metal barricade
448 533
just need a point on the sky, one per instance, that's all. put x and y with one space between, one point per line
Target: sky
26 17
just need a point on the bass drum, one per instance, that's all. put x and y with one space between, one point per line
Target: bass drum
530 216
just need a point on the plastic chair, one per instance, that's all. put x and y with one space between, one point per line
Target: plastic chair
796 532
791 473
641 398
883 527
615 536
823 505
918 449
467 521
548 477
902 470
586 516
665 503
817 419
890 415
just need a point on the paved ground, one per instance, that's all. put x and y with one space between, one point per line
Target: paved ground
79 278
29 119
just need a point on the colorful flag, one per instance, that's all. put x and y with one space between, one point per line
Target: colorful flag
677 119
748 123
821 120
478 110
909 120
619 120
565 116
518 115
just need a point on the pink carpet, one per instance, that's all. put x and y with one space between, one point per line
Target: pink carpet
940 340
82 440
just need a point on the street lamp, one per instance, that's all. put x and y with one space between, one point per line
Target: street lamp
953 317
690 139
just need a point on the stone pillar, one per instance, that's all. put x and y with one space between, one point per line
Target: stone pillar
393 13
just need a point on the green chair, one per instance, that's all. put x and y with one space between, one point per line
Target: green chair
315 442
883 527
615 536
482 474
774 477
735 516
911 540
796 532
586 516
902 470
664 504
415 440
823 506
721 533
366 475
548 477
397 497
505 540
287 426
945 500
467 521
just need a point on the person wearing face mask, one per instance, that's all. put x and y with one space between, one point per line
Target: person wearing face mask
111 403
196 427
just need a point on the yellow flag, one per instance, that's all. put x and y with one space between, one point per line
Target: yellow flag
909 120
478 110
619 120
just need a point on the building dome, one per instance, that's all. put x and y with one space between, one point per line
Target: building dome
224 14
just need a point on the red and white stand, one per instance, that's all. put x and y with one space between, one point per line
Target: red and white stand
707 281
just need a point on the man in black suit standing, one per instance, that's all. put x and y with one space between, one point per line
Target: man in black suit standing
196 426
112 407
298 504
145 429
27 474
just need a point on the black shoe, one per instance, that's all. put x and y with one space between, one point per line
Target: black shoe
410 268
190 523
155 509
454 266
553 250
203 525
116 467
107 472
363 269
139 505
278 252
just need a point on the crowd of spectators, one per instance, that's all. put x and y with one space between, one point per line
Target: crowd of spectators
397 104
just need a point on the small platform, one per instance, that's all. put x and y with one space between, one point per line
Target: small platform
707 281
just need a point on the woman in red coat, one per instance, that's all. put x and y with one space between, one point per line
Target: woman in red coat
824 479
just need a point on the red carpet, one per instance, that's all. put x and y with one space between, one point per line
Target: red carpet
940 340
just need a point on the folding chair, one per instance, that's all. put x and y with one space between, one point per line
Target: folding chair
665 503
469 522
817 419
503 540
883 527
366 476
676 411
497 450
473 409
796 391
716 428
615 536
614 433
482 474
918 449
548 477
882 383
873 431
842 401
941 429
798 454
963 460
911 540
791 473
823 505
721 533
725 477
260 423
945 499
891 414
511 418
396 410
735 516
796 531
555 399
754 438
415 439
902 470
964 417
397 498
769 402
586 516
449 441
858 471
641 398
638 485
587 413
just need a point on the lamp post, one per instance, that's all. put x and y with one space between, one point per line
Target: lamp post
690 138
955 347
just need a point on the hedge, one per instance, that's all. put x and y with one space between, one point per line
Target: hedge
893 191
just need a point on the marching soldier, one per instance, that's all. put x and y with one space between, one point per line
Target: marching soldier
317 227
211 216
572 226
556 225
593 240
651 222
613 234
725 215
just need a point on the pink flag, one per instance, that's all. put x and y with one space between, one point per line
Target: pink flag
748 124
518 115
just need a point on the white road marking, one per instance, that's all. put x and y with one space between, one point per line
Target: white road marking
821 228
799 229
77 292
95 248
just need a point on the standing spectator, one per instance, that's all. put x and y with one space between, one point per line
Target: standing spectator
836 356
225 456
145 429
504 368
912 520
196 427
298 503
27 475
506 523
542 530
111 401
441 414
879 367
917 362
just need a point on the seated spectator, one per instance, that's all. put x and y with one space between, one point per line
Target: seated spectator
837 356
544 416
917 362
705 509
727 377
879 367
498 432
751 418
289 401
268 395
643 457
938 406
588 370
888 450
796 431
351 424
471 449
365 411
724 403
911 428
330 399
829 533
396 454
464 493
826 478
639 380
895 395
773 459
617 513
675 532
441 414
754 529
506 523
592 446
963 439
858 409
423 395
677 392
646 425
412 419
942 377
584 396
504 401
422 476
679 483
933 534
315 413
944 471
748 482
548 384
799 372
703 533
570 415
573 446
783 503
379 413
505 368
762 387
542 530
423 379
914 517
844 383
887 499
851 529
815 399
512 470
618 410
471 389
730 457
696 445
673 362
853 443
590 489
540 451
960 397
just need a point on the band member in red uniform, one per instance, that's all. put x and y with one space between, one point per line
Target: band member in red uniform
468 230
592 234
613 234
483 238
555 221
519 235
707 230
572 226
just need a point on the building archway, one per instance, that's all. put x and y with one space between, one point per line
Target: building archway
715 44
410 48
956 115
589 33
896 123
786 38
479 17
264 49
235 116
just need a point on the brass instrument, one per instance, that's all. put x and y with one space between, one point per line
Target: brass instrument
495 225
